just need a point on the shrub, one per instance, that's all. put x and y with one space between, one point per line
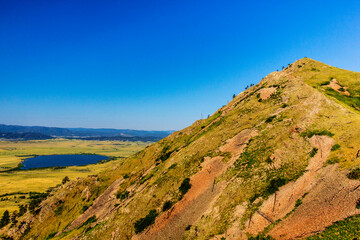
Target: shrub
269 160
274 185
51 235
22 210
333 160
270 119
59 210
284 105
260 237
84 208
354 174
65 180
173 166
325 83
146 221
122 195
335 147
358 204
91 219
313 152
188 228
310 133
185 186
298 202
167 205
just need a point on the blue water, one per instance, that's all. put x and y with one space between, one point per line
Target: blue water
61 161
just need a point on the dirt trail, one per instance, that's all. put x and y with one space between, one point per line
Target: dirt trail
330 198
172 223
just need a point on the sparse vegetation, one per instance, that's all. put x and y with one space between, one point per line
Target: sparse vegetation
343 230
260 237
333 160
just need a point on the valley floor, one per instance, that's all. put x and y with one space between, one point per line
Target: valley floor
15 185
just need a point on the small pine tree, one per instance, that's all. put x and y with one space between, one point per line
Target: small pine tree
234 95
14 216
22 210
5 220
65 180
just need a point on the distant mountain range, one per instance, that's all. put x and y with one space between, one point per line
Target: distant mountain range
16 132
24 136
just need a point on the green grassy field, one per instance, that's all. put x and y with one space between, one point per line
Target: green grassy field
16 184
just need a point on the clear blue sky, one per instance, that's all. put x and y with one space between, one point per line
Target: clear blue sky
156 64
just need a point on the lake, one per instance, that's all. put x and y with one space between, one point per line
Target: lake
61 160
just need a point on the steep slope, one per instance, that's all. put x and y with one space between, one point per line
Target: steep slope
280 159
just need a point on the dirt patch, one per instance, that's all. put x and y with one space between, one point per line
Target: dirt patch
331 197
237 144
335 85
283 201
265 93
202 194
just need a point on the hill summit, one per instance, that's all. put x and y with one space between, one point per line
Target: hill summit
281 161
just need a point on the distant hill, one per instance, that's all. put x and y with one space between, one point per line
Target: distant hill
83 133
24 136
121 138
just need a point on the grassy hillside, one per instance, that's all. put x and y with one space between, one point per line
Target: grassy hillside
274 162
